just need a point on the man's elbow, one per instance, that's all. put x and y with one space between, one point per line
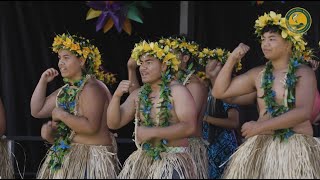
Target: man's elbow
307 114
34 111
35 114
216 94
191 130
112 125
92 130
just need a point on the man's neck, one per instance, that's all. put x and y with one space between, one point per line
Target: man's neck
155 86
74 79
280 64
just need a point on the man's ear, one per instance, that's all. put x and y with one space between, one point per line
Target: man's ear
164 67
82 62
289 46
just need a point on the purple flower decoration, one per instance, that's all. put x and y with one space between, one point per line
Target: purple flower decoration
164 141
289 134
270 110
146 146
63 106
117 13
63 146
157 158
169 77
169 106
110 9
54 148
166 89
72 104
290 82
147 110
296 63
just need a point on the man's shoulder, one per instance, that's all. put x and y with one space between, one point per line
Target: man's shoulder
176 85
195 80
257 70
197 85
135 93
178 88
304 70
95 86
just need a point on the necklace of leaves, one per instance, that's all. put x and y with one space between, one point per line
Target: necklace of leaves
164 113
183 75
269 95
67 101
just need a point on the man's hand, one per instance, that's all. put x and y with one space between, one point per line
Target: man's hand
57 114
212 69
47 131
122 88
132 64
239 52
143 134
48 75
250 129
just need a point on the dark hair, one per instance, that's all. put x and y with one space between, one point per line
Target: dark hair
192 58
271 29
185 38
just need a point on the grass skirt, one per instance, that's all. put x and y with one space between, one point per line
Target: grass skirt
84 162
199 153
6 166
261 157
176 163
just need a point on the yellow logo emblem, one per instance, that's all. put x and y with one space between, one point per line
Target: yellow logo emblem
298 20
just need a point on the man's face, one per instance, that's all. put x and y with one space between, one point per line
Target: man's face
69 64
150 69
183 59
274 46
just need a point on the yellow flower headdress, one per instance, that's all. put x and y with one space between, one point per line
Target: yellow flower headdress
275 19
216 54
202 75
82 47
181 45
156 50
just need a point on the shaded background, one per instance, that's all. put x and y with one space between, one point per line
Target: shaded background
27 30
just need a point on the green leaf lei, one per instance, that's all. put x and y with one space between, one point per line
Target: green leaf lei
164 113
269 95
183 74
67 101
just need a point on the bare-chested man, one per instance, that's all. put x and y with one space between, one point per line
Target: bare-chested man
187 52
280 143
83 146
162 130
187 76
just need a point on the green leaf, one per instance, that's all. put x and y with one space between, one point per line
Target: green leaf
134 14
190 66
